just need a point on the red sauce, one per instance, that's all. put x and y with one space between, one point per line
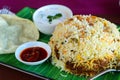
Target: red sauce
33 54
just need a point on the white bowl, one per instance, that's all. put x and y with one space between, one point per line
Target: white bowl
32 44
42 22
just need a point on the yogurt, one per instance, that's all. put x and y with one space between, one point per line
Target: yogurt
40 17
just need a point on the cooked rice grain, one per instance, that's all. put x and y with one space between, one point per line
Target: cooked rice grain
85 45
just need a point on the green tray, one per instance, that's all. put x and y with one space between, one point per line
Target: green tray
47 69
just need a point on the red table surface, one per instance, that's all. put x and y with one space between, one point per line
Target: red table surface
109 9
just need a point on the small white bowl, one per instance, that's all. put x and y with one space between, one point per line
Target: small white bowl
41 20
32 44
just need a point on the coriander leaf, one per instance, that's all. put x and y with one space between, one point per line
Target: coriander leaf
50 18
57 16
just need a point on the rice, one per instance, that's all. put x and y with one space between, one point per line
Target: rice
85 45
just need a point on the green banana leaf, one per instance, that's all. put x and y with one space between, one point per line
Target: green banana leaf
47 69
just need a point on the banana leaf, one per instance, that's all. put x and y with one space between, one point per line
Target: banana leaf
47 69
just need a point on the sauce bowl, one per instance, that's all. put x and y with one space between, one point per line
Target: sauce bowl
33 53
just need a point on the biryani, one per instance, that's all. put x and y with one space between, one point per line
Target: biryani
85 45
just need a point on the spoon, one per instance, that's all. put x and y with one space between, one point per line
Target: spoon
103 72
